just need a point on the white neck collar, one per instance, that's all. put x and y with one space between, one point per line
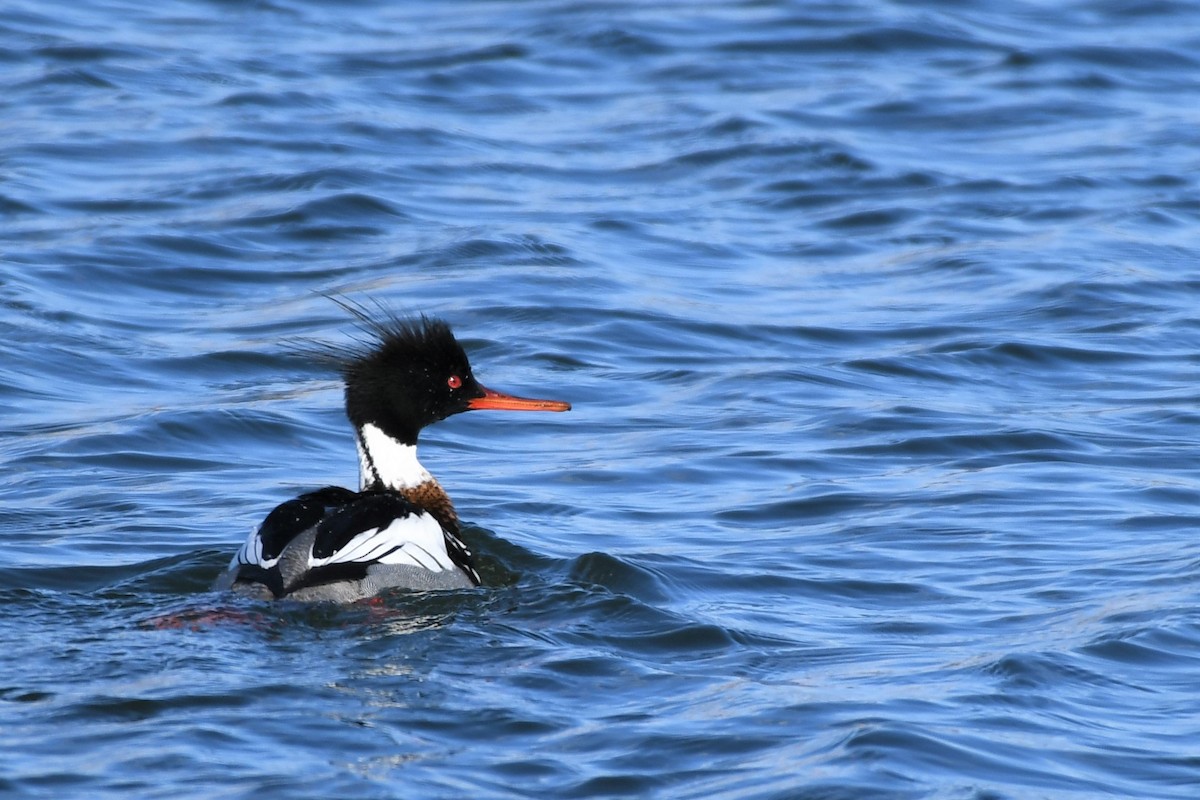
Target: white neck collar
382 458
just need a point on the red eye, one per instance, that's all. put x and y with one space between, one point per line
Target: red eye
454 382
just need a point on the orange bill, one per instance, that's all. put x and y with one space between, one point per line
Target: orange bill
507 402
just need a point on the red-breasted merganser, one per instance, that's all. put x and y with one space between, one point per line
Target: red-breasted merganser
400 529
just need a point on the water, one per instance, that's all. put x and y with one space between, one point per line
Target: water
879 321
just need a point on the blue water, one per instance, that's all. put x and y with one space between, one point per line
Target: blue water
880 325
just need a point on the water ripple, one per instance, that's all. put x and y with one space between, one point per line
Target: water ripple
879 327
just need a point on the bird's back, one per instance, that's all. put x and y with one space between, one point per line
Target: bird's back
337 544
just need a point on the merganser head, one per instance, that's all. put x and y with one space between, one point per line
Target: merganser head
414 373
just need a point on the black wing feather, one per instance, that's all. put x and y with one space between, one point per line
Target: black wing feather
294 517
370 511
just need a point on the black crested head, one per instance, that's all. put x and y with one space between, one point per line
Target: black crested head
403 374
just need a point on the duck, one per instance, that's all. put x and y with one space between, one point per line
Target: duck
399 530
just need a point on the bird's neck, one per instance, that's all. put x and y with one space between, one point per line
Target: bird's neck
387 463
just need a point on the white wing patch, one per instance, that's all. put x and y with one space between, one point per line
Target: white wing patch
416 540
251 553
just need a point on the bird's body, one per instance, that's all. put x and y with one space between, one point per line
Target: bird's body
399 530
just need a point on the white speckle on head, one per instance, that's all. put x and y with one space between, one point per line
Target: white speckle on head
391 462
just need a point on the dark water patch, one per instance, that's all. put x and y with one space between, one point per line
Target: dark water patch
735 125
165 575
120 207
388 63
192 246
273 183
100 710
12 207
617 576
226 365
806 509
1147 647
242 146
688 641
870 219
1030 671
1158 60
620 42
197 267
71 77
877 39
991 123
17 695
272 100
901 367
1013 443
170 434
87 53
342 206
975 758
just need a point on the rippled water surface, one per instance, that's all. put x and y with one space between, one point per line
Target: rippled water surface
880 324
